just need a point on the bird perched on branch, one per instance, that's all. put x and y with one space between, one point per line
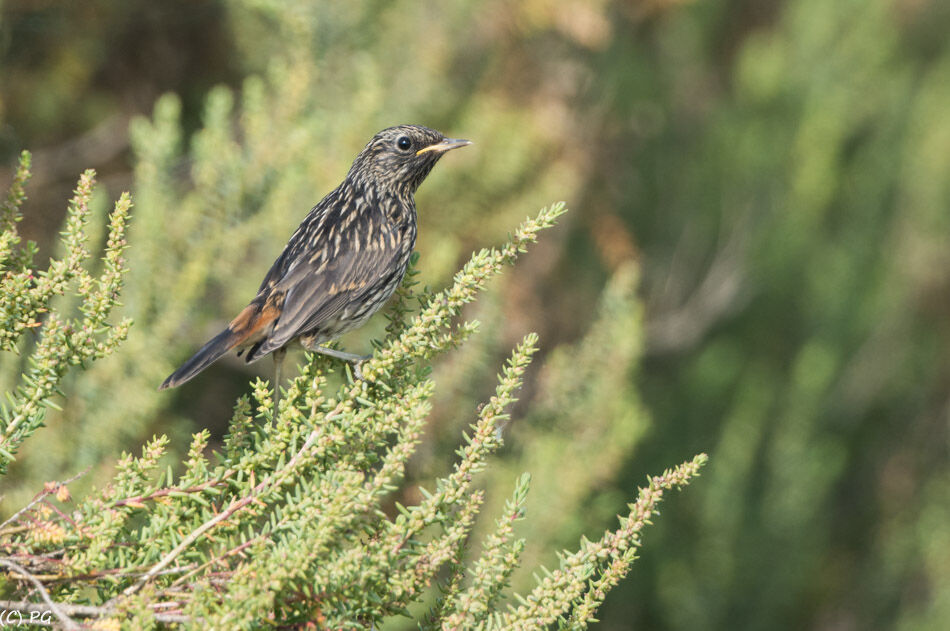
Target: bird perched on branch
343 262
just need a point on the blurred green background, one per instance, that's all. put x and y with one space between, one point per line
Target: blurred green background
760 195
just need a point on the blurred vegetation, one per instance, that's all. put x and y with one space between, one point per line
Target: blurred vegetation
778 171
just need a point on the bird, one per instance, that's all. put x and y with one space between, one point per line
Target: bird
343 262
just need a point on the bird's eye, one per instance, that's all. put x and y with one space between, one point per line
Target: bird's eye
403 143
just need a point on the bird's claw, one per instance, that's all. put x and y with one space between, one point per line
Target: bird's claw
355 365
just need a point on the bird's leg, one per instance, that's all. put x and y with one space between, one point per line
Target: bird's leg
352 358
279 355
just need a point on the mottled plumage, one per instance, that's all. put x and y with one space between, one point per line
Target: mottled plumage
345 259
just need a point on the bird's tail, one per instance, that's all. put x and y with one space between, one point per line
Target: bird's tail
209 353
249 327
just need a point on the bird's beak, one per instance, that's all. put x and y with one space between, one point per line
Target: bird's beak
445 145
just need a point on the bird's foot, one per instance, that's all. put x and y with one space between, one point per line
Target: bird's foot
352 359
357 372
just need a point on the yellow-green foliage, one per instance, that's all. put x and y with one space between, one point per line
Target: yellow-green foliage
70 334
284 524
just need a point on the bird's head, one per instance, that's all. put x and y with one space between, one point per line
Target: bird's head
399 158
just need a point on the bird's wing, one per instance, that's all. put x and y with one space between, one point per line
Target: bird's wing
326 270
308 237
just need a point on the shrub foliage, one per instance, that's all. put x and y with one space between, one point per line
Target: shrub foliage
289 522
